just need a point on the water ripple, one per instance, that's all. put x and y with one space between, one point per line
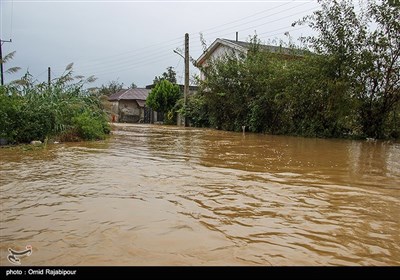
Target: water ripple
163 195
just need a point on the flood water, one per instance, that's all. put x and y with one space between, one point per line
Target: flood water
164 195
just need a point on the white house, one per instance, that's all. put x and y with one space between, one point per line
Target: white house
220 47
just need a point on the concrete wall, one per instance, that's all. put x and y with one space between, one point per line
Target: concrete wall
129 111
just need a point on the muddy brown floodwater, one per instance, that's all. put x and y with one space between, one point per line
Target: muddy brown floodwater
164 195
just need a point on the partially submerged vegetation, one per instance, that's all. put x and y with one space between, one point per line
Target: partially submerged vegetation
345 83
163 98
63 110
347 87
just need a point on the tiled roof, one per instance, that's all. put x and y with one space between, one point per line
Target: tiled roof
130 94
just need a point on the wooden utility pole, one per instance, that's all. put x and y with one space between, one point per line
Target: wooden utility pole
48 76
186 89
1 60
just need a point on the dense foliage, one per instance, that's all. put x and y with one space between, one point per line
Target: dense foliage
169 75
163 98
113 87
348 86
63 110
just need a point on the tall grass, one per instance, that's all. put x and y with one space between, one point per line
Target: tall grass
63 110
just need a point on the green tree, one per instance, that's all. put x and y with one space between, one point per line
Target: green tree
364 51
377 72
111 88
244 90
347 87
169 75
163 98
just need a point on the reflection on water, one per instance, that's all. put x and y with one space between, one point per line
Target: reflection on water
158 195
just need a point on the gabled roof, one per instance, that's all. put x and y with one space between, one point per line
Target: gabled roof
218 42
130 94
238 46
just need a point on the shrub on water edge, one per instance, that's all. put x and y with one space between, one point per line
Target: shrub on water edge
63 111
90 127
34 124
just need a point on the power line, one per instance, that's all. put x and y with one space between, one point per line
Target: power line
271 21
129 60
253 21
12 13
252 15
109 61
132 66
295 29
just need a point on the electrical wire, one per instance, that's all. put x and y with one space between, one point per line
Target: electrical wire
124 60
133 59
239 25
252 15
12 13
271 21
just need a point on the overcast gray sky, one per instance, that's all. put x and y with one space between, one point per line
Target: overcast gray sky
133 41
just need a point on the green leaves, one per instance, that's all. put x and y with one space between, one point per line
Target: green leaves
31 111
364 54
169 75
163 96
349 87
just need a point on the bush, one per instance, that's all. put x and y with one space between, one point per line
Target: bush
33 124
163 98
197 110
90 127
9 112
31 111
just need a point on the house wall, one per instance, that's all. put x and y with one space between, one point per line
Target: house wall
219 52
114 111
129 111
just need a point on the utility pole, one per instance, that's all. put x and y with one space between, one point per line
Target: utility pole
186 88
48 76
1 59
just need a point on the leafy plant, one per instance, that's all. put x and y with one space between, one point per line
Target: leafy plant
349 86
35 111
163 98
169 75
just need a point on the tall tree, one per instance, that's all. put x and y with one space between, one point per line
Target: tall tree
364 51
111 88
163 97
169 75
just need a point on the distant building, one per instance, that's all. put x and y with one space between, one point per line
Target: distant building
129 106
